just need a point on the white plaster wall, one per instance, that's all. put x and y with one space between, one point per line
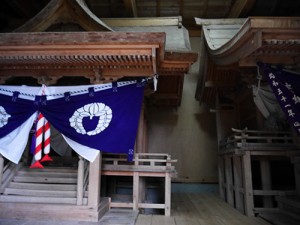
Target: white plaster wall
188 133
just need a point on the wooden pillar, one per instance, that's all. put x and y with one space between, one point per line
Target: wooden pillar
167 194
221 176
136 184
94 182
229 180
266 182
145 137
140 133
238 183
139 183
80 180
248 187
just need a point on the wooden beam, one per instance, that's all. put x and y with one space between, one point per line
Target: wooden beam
130 6
240 8
201 21
143 21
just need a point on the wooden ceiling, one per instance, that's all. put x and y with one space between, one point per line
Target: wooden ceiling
14 13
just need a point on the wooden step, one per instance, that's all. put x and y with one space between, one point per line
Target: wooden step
47 174
37 186
40 193
42 179
34 199
51 169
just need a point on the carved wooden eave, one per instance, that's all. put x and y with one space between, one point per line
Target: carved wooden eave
178 53
232 47
64 11
274 40
99 56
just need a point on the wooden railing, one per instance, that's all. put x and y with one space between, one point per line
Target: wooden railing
143 165
255 139
7 172
141 161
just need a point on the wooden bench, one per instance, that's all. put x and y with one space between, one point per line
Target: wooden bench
143 165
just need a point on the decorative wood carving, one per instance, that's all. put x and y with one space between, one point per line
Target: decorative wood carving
81 54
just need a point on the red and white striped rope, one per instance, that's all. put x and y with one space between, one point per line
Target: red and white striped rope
39 137
42 135
46 136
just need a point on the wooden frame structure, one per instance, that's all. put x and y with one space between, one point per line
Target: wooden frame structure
144 165
236 155
230 49
99 57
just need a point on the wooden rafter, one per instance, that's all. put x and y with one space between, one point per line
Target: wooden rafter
130 6
240 8
64 11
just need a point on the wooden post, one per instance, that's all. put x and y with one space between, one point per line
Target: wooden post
266 181
1 168
229 182
94 182
248 187
136 190
167 194
80 178
221 176
145 140
140 133
238 183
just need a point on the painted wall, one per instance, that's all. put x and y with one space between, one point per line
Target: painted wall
188 133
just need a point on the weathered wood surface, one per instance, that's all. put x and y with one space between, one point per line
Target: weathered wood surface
199 209
187 209
56 213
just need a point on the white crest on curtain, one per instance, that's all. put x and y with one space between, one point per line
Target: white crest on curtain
12 145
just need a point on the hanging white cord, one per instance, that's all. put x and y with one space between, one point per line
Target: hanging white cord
155 81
